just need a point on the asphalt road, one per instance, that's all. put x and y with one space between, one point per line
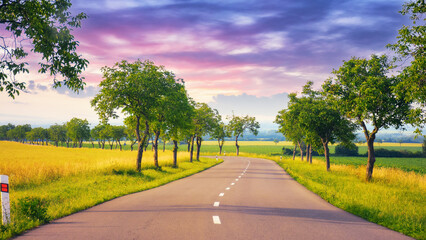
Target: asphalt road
242 198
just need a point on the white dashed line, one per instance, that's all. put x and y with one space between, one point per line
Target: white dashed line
216 220
239 176
232 183
216 204
221 194
228 188
237 179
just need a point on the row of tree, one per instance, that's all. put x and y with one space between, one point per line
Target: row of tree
363 91
156 102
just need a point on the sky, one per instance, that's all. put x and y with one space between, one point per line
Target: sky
239 56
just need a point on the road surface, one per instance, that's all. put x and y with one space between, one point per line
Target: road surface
242 198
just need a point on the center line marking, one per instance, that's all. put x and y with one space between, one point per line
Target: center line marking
221 194
232 183
216 204
239 176
216 220
228 188
236 179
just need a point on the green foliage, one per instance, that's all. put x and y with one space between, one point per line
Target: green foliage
238 125
411 45
4 129
18 133
78 130
346 150
364 92
57 133
33 208
47 25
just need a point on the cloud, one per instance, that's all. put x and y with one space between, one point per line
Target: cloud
263 108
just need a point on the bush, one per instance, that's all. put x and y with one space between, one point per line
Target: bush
382 152
33 208
346 150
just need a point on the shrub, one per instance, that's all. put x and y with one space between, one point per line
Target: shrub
33 208
346 150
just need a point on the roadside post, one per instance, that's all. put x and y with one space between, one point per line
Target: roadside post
5 204
281 158
216 157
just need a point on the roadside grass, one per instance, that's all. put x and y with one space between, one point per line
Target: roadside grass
394 198
70 180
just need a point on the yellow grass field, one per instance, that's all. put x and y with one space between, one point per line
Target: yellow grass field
35 164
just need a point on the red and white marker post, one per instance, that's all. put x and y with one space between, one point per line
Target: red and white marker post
5 204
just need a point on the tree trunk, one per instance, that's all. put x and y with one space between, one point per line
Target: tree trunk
175 149
99 144
326 153
189 145
310 154
371 158
155 147
103 144
192 148
307 153
294 151
119 143
199 140
301 151
220 146
139 156
370 137
236 145
164 146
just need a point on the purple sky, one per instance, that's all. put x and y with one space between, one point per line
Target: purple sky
232 54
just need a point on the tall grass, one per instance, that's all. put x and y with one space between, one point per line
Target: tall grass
394 198
70 180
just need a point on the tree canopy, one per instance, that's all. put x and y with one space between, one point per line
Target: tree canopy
364 92
238 125
47 25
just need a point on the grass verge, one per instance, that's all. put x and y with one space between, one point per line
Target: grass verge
60 189
394 198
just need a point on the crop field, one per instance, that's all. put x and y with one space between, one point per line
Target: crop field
66 180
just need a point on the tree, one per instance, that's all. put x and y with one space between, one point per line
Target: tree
4 129
37 134
287 119
57 133
96 133
178 116
130 131
238 125
47 25
220 133
118 133
173 92
276 141
364 92
204 120
411 46
134 88
321 120
78 130
18 133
